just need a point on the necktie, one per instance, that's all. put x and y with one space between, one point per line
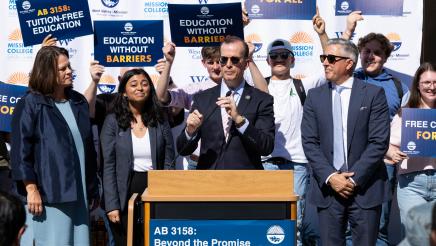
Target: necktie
338 139
227 120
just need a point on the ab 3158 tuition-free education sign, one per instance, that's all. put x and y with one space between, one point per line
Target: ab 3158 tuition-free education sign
194 25
62 18
128 43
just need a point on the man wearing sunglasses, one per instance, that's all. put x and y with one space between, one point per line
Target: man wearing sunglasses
234 121
345 136
289 96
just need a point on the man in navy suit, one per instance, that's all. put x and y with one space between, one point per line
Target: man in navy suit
345 132
234 121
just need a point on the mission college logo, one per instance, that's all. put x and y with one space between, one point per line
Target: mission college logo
275 234
18 78
302 45
255 39
110 3
395 40
398 53
107 84
16 48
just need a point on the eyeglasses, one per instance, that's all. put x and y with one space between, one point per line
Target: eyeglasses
428 84
282 55
332 59
234 60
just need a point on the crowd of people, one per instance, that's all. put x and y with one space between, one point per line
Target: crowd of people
339 130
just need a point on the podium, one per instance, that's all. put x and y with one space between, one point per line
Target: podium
186 207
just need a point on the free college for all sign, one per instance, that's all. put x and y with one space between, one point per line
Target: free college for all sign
194 25
9 96
370 7
284 9
62 18
418 132
128 43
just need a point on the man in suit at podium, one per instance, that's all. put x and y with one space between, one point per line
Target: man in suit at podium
345 132
234 121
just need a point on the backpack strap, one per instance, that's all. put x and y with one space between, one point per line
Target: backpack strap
300 90
298 84
399 88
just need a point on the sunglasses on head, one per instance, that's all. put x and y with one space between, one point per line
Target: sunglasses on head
332 58
282 55
234 60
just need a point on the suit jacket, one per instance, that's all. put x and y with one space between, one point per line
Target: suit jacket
367 142
242 151
118 158
43 149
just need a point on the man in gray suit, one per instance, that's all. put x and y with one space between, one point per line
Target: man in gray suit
345 132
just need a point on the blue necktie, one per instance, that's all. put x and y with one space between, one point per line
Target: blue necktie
338 139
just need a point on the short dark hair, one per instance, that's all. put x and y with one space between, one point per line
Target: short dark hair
12 218
210 52
234 39
44 74
385 44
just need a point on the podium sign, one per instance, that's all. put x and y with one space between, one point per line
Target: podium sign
222 232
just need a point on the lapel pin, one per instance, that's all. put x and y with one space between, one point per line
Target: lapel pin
247 97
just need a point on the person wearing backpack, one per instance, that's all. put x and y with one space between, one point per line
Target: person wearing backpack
289 95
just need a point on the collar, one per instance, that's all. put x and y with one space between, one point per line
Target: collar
348 84
225 88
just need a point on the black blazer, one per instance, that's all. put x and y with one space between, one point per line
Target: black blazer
242 151
367 141
118 158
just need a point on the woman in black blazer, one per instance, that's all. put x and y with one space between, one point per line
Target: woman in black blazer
134 139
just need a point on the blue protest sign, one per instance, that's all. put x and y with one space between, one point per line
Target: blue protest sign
370 7
128 43
222 232
62 18
288 9
195 25
9 96
418 132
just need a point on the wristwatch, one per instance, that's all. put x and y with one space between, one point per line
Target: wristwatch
241 123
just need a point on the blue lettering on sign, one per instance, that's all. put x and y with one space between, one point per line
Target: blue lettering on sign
201 1
198 79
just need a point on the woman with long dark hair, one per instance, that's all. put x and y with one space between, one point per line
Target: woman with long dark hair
136 138
417 175
52 153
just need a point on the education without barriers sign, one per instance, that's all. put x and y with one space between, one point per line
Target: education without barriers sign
195 25
62 18
128 43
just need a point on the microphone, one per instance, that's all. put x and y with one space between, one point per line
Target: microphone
206 117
